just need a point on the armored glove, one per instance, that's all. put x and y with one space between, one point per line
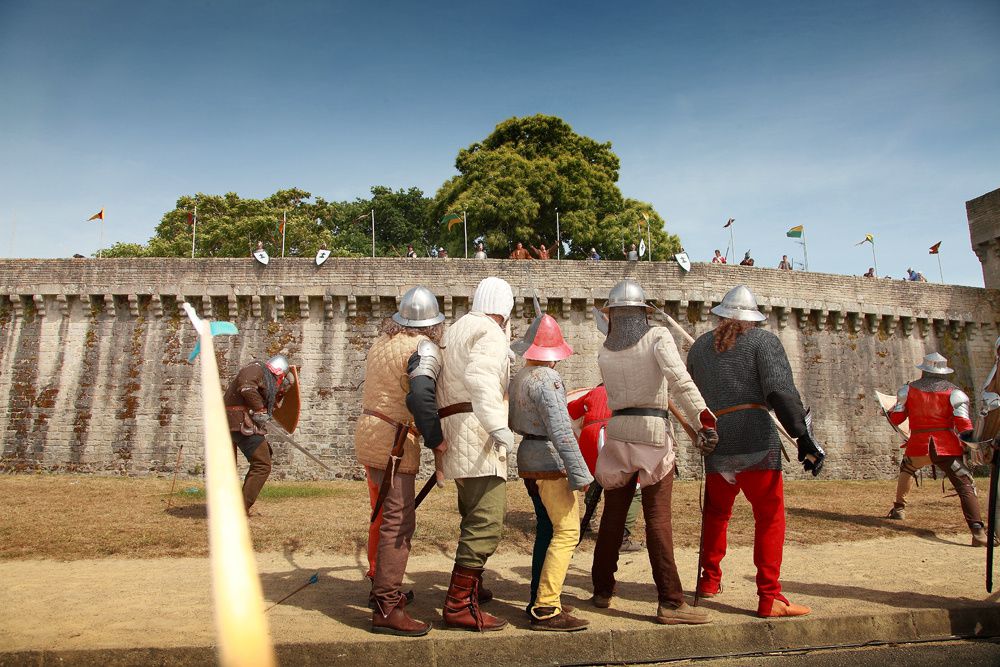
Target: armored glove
811 455
503 442
260 418
707 440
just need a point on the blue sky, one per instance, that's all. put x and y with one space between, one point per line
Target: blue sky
847 117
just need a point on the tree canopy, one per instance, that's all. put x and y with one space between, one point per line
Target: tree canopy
510 185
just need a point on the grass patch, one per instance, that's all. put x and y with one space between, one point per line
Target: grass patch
272 491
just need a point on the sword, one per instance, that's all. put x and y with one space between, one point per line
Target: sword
425 490
991 516
395 456
274 429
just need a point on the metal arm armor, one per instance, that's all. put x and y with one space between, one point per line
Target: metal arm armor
959 403
428 362
901 399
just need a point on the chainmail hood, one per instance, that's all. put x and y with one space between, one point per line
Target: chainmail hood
931 382
627 324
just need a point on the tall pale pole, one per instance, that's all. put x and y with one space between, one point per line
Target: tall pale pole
194 226
732 240
558 238
649 242
874 261
100 237
284 221
373 233
805 253
940 270
465 228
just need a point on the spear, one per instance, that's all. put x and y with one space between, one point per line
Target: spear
312 580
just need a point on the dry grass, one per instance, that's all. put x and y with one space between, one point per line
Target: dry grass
69 517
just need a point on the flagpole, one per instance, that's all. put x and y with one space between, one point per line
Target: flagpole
805 252
194 226
373 233
732 239
558 238
465 229
940 270
100 237
874 261
284 221
649 242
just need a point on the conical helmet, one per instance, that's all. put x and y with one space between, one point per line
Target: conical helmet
739 304
626 293
549 344
936 364
418 308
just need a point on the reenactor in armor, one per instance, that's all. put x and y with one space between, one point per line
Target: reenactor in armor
399 403
474 420
642 371
939 424
743 373
553 468
250 400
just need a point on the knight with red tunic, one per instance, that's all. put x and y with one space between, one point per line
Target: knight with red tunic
939 423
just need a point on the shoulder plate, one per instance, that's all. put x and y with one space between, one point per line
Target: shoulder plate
901 398
429 363
959 403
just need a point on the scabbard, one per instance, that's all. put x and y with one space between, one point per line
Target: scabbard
425 490
395 455
991 516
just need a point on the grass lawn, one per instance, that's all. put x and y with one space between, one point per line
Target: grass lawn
71 517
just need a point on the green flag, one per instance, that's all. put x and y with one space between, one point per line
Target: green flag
794 232
451 219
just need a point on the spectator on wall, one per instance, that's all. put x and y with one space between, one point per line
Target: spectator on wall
480 253
747 260
871 272
594 255
632 255
442 253
410 252
520 252
718 259
785 264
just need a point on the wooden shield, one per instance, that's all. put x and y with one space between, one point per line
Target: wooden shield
288 414
887 402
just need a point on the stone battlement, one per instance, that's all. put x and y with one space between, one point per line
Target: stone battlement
93 372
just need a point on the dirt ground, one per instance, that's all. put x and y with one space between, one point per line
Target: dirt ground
72 517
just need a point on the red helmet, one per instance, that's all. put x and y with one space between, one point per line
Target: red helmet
548 344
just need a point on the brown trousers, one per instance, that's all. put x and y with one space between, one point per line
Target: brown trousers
260 469
656 501
399 520
959 476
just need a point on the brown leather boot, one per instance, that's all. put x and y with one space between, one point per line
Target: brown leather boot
398 622
461 604
561 622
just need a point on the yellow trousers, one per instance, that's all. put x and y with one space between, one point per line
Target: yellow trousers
561 505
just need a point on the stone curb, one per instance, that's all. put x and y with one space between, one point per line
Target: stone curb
653 644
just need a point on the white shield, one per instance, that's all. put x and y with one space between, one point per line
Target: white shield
642 248
322 256
682 259
261 256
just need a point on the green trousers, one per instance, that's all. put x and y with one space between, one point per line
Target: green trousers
482 502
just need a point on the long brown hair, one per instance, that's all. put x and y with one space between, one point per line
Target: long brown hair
728 331
391 327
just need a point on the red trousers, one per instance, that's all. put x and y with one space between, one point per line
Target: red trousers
764 490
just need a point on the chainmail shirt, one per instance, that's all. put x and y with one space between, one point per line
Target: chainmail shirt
754 368
933 384
626 325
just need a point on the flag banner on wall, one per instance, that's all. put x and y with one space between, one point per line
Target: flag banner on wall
97 216
795 232
936 248
729 222
868 239
451 220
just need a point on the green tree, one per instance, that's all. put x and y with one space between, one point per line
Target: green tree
512 183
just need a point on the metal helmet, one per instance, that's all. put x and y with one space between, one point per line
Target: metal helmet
739 304
935 364
278 364
418 308
626 293
548 344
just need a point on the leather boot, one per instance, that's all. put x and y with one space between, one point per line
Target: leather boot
682 614
897 513
461 604
561 622
398 622
979 536
373 605
779 607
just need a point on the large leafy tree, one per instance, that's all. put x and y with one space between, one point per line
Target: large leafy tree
512 183
231 226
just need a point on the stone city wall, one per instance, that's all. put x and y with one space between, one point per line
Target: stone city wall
94 377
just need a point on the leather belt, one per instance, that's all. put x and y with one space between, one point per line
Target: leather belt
389 420
741 406
931 430
532 436
640 412
454 409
